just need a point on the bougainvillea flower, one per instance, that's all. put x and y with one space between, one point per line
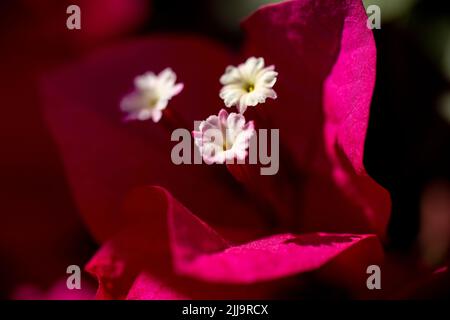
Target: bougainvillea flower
195 231
151 96
224 137
248 84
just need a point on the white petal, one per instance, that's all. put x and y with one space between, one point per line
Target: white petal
177 89
145 81
144 115
167 75
156 115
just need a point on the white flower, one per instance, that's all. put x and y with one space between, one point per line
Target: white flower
248 84
224 137
151 95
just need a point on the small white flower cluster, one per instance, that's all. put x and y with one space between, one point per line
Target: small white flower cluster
226 136
220 137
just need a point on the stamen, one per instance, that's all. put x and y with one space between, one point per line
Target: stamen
249 87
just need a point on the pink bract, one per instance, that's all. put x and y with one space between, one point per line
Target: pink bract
153 246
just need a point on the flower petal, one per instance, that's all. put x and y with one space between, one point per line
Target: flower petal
270 258
325 84
164 242
105 158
